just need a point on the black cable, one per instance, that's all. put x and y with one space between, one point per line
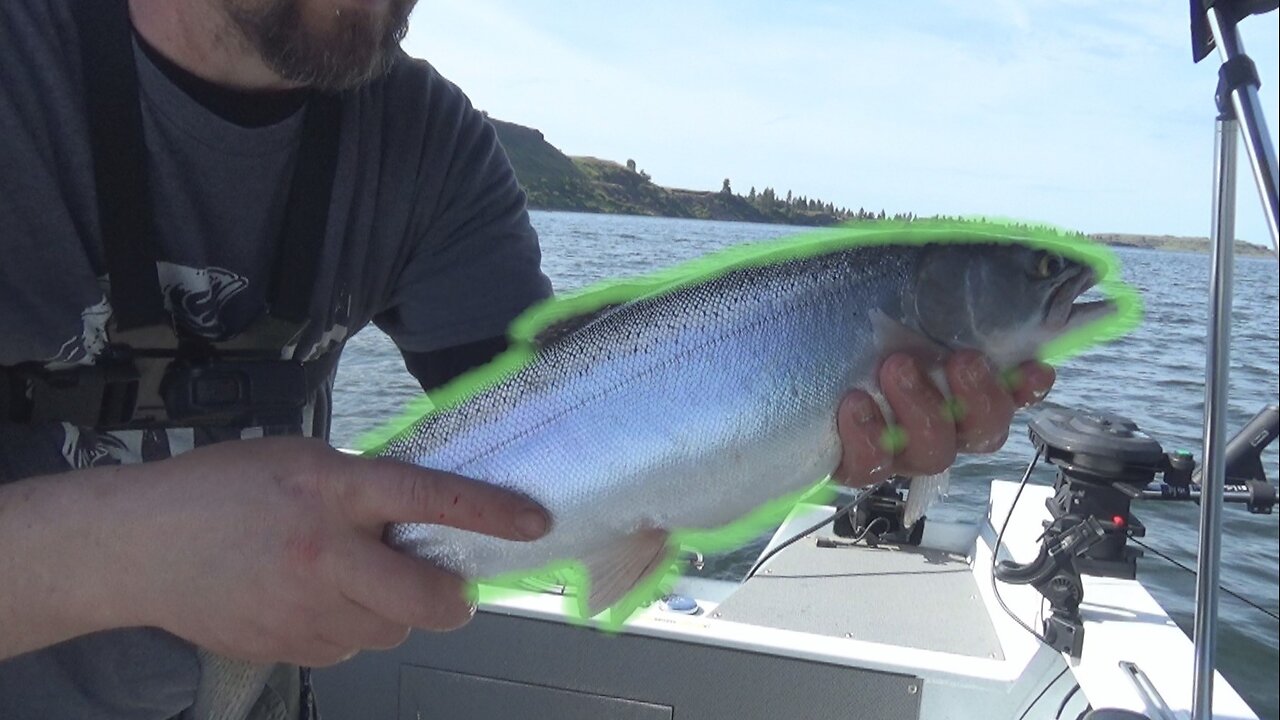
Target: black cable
995 552
1221 587
846 509
1066 699
1044 690
867 530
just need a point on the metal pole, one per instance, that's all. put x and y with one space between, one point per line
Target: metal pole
1217 359
1248 111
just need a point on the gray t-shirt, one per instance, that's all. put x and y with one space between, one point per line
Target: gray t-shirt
428 237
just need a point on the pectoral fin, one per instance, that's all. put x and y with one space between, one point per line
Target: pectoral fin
617 568
894 337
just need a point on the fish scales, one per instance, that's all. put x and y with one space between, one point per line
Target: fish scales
737 377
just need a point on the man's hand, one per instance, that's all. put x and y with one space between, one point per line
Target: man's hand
930 429
264 550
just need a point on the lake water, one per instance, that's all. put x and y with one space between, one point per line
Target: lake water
1153 376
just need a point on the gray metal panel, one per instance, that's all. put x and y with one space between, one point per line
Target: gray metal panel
699 682
427 694
913 597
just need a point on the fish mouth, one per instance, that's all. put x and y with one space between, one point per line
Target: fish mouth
1063 313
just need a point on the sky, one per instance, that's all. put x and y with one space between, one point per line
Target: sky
1086 114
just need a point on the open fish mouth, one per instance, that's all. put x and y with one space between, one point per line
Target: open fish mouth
1063 313
1089 312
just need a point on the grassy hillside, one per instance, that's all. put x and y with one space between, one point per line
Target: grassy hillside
552 180
555 181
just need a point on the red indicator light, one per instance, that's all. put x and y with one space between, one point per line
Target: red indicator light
1119 521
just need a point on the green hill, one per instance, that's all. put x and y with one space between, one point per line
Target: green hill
555 181
551 179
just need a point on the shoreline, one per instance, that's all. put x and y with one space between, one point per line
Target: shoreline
1164 243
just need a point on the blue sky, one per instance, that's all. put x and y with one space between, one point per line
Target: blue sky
1082 113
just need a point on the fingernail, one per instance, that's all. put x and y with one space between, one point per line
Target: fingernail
1036 396
971 372
863 410
531 524
907 375
893 440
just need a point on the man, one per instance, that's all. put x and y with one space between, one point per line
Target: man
129 540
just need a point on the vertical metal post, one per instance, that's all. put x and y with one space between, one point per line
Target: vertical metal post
1247 109
1217 361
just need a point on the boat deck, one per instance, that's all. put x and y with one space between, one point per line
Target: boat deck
910 597
891 633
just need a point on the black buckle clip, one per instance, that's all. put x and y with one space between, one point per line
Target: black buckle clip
245 392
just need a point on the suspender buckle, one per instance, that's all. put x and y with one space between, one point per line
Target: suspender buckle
243 392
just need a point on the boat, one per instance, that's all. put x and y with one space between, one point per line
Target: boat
914 624
1034 611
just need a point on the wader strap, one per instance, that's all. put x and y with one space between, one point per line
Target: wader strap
157 392
307 213
119 161
126 213
151 375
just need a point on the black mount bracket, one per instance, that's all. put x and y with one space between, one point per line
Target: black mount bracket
881 519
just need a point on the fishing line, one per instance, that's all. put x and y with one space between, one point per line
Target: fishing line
1044 690
995 552
1221 587
1066 699
842 511
870 528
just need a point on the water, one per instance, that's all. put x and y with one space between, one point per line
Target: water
1154 376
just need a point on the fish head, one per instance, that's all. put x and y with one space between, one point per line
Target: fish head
1005 300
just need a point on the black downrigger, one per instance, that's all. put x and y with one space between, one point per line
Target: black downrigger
1105 462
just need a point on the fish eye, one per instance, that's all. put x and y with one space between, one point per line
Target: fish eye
1047 265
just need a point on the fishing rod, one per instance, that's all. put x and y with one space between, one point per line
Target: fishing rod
1245 479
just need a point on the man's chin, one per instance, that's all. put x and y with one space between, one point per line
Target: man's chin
331 45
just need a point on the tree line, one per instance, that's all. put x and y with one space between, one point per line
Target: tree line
768 201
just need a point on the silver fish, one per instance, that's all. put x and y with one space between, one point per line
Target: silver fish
690 407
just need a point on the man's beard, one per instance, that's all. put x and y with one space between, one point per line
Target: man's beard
332 52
